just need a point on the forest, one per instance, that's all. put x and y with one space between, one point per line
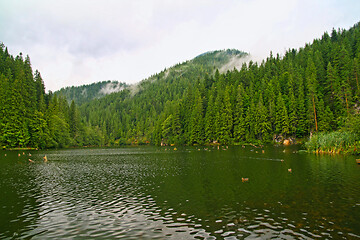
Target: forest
85 93
311 91
31 118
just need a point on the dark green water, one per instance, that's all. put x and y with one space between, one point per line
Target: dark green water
153 193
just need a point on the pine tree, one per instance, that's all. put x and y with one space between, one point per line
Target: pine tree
239 120
356 76
166 130
210 118
40 91
176 124
301 128
342 64
325 117
262 124
196 122
282 118
227 117
249 121
312 88
74 121
292 107
333 92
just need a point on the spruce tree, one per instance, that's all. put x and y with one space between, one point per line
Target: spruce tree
210 118
282 118
262 124
312 88
239 120
196 121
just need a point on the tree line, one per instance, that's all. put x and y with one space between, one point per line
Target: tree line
31 118
309 90
314 89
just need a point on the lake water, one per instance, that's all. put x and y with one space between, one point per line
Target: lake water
191 193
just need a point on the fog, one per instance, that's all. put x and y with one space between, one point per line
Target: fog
111 87
75 42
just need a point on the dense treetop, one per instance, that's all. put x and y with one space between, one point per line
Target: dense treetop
86 93
205 100
31 118
312 89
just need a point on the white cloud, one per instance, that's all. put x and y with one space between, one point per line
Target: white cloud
76 42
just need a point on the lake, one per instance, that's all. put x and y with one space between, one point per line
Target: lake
189 193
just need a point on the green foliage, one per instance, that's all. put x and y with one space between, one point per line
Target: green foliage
31 118
312 90
304 92
333 142
352 124
85 93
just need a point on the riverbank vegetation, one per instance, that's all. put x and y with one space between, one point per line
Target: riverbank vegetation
345 140
334 142
314 91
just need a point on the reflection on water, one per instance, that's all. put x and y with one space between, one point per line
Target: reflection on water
191 193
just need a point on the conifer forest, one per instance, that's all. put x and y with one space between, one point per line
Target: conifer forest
312 91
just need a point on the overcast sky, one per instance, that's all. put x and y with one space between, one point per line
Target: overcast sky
75 42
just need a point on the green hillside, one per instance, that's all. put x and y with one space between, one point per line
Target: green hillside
218 97
209 62
86 93
310 90
31 118
142 102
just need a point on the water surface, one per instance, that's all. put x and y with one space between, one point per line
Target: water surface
188 193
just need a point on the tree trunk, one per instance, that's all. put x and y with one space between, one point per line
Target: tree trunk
316 126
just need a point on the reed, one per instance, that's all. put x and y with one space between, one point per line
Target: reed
334 142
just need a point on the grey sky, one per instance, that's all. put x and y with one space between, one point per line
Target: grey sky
74 42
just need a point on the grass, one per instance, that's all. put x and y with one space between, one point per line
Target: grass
334 142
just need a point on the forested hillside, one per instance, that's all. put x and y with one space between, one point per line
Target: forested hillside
86 93
133 115
31 118
312 90
309 90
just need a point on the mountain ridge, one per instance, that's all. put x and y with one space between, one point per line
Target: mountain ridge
223 60
87 92
308 90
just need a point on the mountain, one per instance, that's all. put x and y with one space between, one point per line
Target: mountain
218 97
85 93
31 118
206 100
221 59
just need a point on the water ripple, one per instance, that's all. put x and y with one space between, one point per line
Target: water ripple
149 193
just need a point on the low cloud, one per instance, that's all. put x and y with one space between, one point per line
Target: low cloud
111 87
235 62
85 41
